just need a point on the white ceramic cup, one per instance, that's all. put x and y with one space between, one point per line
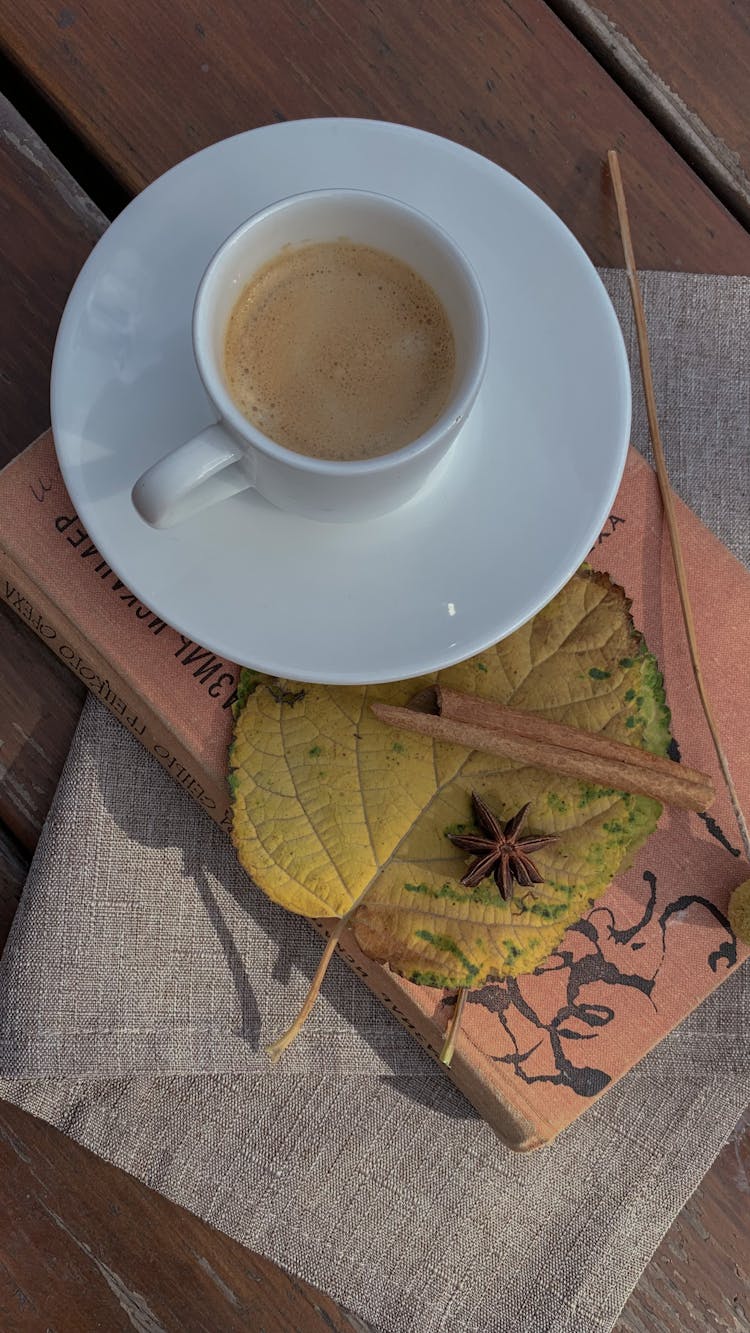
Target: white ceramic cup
232 454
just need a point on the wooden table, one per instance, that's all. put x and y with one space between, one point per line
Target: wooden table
99 99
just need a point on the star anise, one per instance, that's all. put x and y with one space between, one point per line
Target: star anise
500 851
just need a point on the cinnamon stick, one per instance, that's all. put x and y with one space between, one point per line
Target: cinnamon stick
482 724
516 721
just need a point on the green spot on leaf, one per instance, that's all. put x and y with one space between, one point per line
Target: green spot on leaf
447 945
548 911
430 979
486 892
591 794
248 684
556 802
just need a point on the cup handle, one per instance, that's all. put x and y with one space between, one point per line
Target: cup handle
196 474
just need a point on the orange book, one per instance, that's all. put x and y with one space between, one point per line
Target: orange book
536 1050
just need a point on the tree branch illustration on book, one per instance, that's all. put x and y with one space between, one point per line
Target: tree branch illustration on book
539 1028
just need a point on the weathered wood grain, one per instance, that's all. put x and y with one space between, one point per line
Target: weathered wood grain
47 228
144 89
688 68
85 1246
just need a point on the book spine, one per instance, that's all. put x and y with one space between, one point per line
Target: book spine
56 631
37 609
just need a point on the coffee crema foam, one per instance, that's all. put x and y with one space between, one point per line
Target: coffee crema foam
339 351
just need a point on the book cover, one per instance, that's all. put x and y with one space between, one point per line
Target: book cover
533 1051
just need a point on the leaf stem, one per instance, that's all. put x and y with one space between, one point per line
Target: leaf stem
449 1045
277 1048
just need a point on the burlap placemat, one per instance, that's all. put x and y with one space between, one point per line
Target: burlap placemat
142 970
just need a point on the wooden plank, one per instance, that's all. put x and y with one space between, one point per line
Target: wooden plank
84 1246
688 69
47 228
699 1278
13 868
505 77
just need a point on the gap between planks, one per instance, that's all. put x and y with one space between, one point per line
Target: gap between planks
705 152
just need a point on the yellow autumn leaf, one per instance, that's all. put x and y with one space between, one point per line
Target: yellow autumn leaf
332 807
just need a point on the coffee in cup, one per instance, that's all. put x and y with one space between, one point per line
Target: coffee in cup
345 291
338 350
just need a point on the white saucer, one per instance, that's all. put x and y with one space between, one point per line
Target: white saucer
515 507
